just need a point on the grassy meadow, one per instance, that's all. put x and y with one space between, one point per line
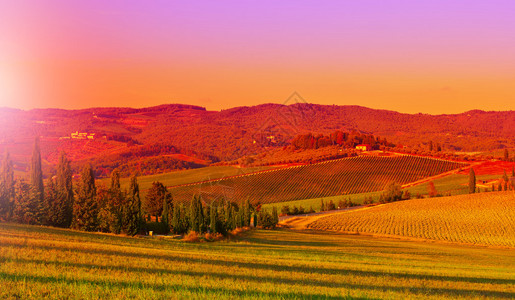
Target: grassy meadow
40 262
484 219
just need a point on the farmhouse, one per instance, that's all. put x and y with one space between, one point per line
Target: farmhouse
82 135
363 147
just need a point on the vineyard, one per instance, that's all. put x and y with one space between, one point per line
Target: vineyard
484 219
330 178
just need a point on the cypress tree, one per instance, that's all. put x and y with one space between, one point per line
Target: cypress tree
154 199
213 216
115 206
472 181
506 155
25 207
246 213
51 201
85 208
7 188
275 216
133 218
64 186
195 221
36 180
165 216
176 220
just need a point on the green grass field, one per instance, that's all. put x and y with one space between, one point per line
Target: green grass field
39 262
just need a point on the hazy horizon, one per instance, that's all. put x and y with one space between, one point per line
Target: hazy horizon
435 57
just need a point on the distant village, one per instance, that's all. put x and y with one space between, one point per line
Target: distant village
79 136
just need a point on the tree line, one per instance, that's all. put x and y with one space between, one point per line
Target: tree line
340 138
57 202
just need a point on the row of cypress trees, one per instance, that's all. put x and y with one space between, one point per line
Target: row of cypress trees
109 209
57 203
217 217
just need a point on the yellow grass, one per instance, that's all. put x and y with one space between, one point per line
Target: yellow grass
47 263
482 219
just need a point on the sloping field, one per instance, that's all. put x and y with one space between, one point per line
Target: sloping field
186 176
46 263
484 219
330 178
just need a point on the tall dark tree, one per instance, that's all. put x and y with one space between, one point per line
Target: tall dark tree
472 181
213 219
64 185
51 200
112 204
133 218
7 188
275 216
85 207
179 219
506 155
247 213
26 209
196 214
36 180
154 199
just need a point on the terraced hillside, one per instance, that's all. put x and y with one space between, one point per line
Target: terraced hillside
485 219
330 178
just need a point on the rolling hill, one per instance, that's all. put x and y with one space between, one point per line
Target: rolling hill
330 178
233 133
483 219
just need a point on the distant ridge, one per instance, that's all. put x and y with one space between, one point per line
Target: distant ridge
230 133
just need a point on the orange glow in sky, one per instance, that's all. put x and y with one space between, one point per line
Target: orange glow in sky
433 57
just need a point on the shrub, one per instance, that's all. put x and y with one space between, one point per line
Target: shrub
192 236
285 210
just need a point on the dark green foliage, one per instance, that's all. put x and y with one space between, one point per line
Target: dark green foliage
25 207
213 219
154 199
85 208
330 205
275 216
179 219
246 213
36 174
196 215
472 181
322 205
7 188
285 210
133 217
267 220
36 180
51 203
393 192
165 216
238 221
63 205
113 206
